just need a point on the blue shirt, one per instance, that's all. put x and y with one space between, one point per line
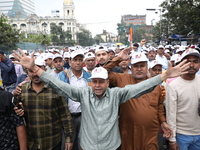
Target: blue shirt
8 73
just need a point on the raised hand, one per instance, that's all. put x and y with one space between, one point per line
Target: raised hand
25 61
124 54
176 71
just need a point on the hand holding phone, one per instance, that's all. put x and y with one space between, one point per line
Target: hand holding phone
16 105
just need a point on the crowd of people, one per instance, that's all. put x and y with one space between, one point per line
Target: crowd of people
101 98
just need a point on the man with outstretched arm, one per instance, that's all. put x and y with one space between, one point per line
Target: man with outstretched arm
99 104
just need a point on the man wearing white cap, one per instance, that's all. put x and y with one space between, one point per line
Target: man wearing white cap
99 128
161 58
48 58
140 118
66 57
155 68
76 76
58 64
183 106
102 57
151 55
89 62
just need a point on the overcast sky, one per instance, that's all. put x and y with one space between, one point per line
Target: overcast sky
101 15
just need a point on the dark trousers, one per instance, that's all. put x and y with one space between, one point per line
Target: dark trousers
58 146
76 126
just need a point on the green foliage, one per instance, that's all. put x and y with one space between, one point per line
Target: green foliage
61 37
84 38
8 36
98 39
182 16
35 38
139 32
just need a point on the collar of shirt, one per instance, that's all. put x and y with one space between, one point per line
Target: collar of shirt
72 75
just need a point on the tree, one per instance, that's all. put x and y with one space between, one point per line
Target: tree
98 39
122 32
84 38
59 36
9 36
35 38
182 16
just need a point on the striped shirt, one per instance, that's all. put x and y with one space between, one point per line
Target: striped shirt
45 114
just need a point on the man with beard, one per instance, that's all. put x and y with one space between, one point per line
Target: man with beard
183 106
102 57
58 64
45 112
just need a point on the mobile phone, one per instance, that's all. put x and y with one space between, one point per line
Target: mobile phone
16 105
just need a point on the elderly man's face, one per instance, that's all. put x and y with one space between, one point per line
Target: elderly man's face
77 63
139 70
90 63
99 86
156 70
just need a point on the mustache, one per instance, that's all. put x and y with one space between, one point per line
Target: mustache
35 77
192 69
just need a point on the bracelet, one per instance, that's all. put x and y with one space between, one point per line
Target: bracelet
37 70
172 143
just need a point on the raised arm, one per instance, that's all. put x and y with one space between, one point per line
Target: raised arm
62 88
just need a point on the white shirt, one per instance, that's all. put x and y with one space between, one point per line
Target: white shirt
182 101
53 73
163 60
75 107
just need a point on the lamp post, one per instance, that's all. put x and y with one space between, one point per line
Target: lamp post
160 18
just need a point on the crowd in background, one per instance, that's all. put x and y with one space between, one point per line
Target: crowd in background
47 120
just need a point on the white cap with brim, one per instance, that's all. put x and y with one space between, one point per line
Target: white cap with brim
25 51
11 56
167 51
180 49
138 57
190 51
154 63
48 56
89 55
99 72
66 55
76 53
57 56
160 46
101 48
39 62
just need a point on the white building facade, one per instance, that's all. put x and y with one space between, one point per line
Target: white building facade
34 24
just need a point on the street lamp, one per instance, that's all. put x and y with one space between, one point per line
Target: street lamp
160 17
